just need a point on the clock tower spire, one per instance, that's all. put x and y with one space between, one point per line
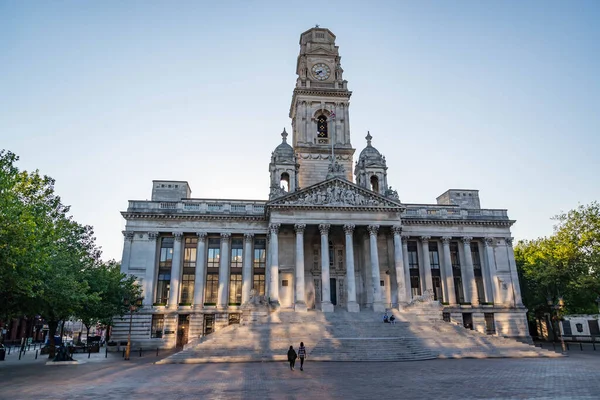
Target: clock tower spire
319 110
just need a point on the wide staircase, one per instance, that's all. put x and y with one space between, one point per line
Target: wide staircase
344 336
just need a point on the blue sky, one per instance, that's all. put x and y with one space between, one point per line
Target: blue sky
106 96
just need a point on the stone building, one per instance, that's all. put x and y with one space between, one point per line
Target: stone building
333 235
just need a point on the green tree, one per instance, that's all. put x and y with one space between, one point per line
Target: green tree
110 288
565 264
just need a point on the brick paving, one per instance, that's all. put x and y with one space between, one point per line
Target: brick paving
574 377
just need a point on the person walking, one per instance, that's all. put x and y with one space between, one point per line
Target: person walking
302 355
292 357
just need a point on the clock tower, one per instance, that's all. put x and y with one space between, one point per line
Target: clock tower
319 111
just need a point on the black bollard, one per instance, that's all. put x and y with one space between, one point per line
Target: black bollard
568 346
28 347
123 353
9 350
106 352
140 351
553 346
36 352
157 352
19 354
580 346
89 352
594 344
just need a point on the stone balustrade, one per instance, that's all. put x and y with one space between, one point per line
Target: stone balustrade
445 212
201 206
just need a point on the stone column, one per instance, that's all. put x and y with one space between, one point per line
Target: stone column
469 274
274 270
326 305
377 304
223 291
199 279
150 278
126 249
449 293
514 277
176 270
300 304
351 303
268 266
365 270
428 282
489 273
247 267
399 266
406 267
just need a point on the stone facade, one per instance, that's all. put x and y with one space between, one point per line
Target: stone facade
323 240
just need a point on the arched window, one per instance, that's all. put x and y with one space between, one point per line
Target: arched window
284 182
322 126
375 184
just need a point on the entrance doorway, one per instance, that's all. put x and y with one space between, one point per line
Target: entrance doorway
183 327
209 324
333 289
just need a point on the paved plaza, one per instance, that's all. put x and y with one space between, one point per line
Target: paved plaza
574 377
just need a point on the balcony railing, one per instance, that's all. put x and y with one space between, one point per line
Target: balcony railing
446 212
200 206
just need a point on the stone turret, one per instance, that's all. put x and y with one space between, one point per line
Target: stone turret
283 169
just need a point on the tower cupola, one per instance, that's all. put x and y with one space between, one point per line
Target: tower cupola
283 169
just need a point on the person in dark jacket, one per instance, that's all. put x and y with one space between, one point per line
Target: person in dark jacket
302 355
292 357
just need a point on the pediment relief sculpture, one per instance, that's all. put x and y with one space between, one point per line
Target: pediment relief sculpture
336 193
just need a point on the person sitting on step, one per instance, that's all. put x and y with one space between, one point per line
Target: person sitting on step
392 319
386 319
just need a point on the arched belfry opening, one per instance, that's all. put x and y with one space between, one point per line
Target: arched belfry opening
284 181
322 127
375 184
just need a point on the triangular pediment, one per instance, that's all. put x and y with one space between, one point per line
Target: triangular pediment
335 192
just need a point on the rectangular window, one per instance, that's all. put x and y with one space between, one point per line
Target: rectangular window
166 253
434 257
260 253
236 253
490 326
437 288
163 286
415 286
413 265
475 256
258 284
480 289
454 257
187 286
458 289
212 289
158 324
235 289
214 253
189 252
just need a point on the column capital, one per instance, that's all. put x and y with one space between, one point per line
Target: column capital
467 240
349 229
225 235
274 228
299 228
509 241
324 228
178 236
128 235
425 239
446 240
373 229
248 237
153 236
201 236
488 241
396 229
405 238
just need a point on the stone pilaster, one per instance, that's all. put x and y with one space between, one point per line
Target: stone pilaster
406 267
326 305
176 270
247 267
512 265
151 275
449 291
128 240
428 282
469 274
351 303
490 270
300 303
377 303
399 265
223 291
199 279
274 269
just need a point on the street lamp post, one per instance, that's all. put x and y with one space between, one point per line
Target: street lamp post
132 307
556 308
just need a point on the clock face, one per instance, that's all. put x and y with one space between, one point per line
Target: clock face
321 71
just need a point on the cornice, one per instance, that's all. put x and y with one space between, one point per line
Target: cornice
447 222
193 217
334 208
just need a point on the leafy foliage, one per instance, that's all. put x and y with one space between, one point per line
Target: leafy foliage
565 264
